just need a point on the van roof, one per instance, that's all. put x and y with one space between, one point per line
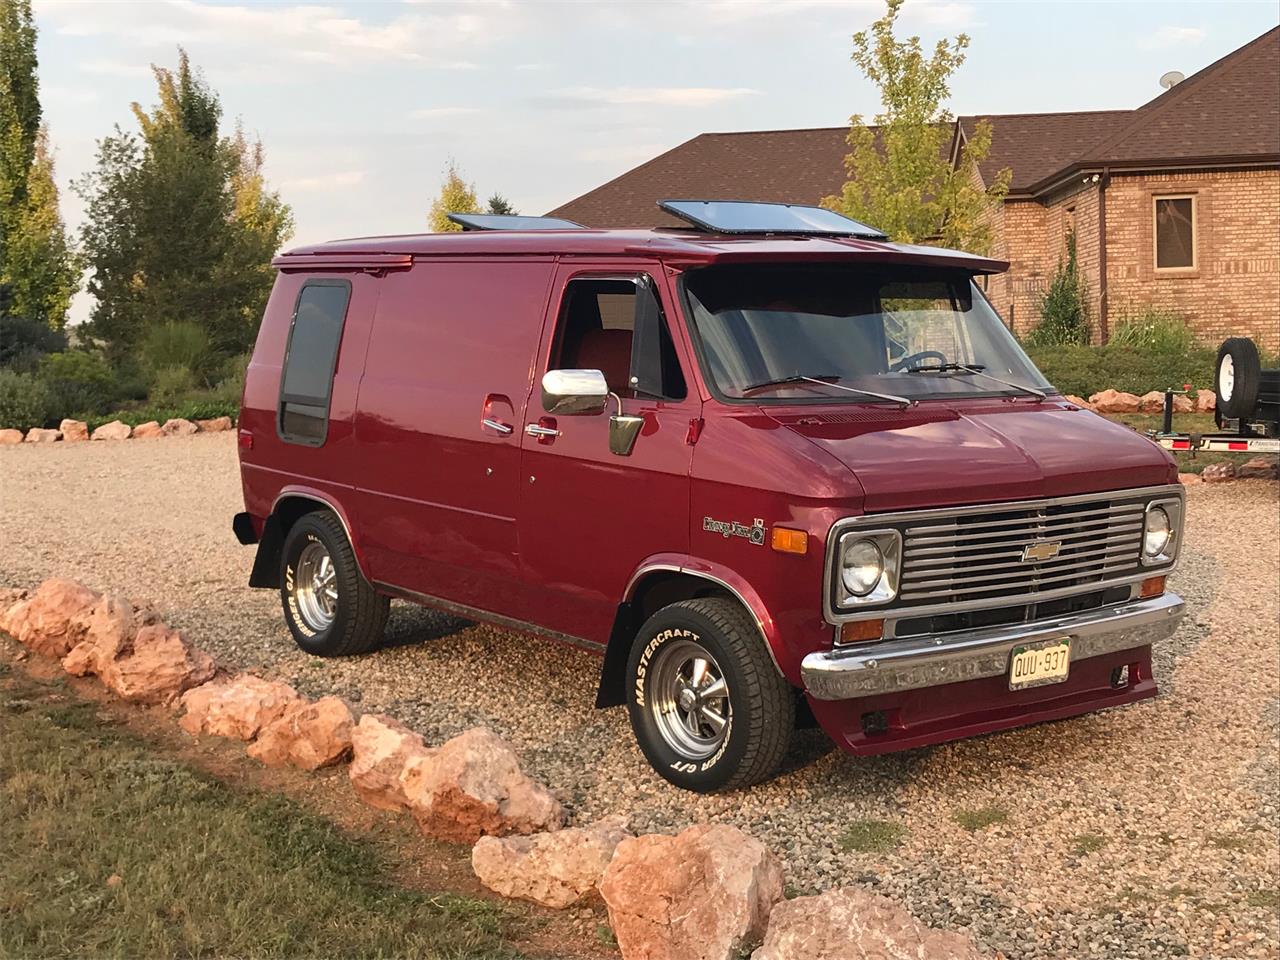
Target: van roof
679 247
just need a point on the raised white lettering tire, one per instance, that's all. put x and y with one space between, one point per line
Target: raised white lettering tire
708 707
331 609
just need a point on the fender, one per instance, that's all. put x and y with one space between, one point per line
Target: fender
267 561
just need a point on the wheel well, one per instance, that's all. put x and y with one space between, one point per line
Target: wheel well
656 590
287 512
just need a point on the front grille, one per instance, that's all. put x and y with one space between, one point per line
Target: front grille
983 556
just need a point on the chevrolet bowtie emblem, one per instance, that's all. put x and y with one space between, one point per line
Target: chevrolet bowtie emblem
1040 551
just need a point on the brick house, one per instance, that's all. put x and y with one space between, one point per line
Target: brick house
1174 205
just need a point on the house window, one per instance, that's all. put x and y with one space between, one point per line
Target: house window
1175 233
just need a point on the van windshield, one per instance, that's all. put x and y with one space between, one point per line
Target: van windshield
786 334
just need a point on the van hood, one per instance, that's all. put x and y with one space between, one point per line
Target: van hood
985 451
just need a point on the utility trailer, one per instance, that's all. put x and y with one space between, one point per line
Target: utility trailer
1247 412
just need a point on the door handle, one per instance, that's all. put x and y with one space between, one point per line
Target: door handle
502 428
539 431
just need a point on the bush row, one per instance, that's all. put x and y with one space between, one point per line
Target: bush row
1086 370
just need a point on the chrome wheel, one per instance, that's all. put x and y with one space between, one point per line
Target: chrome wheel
315 587
690 700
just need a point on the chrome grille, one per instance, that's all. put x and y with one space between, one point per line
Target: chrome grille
982 556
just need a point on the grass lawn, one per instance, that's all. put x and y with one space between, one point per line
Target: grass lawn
1182 423
109 847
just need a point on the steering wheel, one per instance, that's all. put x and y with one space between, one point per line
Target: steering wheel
909 361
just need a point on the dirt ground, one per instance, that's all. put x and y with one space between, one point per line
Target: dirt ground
1148 831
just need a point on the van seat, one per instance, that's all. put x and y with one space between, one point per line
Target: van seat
608 351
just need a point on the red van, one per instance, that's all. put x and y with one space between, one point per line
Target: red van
768 465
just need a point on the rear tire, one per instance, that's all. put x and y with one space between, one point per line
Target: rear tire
1237 378
708 707
331 610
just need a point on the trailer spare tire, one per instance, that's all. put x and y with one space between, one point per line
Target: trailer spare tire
1237 378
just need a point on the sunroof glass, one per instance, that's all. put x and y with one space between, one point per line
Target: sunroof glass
503 221
742 216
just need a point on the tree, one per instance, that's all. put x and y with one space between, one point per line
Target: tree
501 205
38 268
180 225
901 178
1064 312
456 196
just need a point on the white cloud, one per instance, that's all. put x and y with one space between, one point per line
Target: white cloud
664 96
434 113
324 181
115 68
1171 36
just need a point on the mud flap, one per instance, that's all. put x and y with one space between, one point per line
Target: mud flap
613 681
266 565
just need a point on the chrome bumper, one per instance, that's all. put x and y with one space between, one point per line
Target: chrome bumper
891 666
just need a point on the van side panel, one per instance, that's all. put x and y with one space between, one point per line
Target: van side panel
453 345
273 465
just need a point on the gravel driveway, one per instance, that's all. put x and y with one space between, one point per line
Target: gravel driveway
1148 831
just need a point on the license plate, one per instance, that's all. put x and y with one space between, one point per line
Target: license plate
1039 663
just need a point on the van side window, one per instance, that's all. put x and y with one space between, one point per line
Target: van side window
597 331
309 360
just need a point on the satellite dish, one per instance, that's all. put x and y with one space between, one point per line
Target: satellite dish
1172 79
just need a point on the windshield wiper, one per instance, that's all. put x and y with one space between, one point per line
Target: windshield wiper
977 371
828 380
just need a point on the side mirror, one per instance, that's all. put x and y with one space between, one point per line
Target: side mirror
574 392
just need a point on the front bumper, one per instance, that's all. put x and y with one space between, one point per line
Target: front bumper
912 663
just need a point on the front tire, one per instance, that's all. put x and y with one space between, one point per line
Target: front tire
330 608
708 707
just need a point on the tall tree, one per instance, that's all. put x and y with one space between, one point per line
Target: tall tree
38 269
181 225
456 196
901 176
501 205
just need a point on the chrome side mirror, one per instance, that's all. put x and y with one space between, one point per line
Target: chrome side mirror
623 430
574 392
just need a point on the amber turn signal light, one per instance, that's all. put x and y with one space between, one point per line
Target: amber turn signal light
790 541
1152 587
859 631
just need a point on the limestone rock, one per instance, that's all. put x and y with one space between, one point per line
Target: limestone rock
8 437
73 430
216 425
308 735
1206 401
1182 403
472 786
381 749
851 924
1114 401
1219 472
178 427
701 895
1080 402
553 869
115 430
53 619
136 656
239 707
1189 479
1259 468
146 430
40 435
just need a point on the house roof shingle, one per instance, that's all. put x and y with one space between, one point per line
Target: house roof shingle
1227 111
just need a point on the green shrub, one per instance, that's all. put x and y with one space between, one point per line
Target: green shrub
1161 331
179 344
80 382
231 386
171 384
199 409
1064 317
25 401
23 342
1083 371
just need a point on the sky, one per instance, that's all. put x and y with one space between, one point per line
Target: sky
361 105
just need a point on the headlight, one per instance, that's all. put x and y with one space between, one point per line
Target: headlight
1155 536
866 567
1161 529
861 567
